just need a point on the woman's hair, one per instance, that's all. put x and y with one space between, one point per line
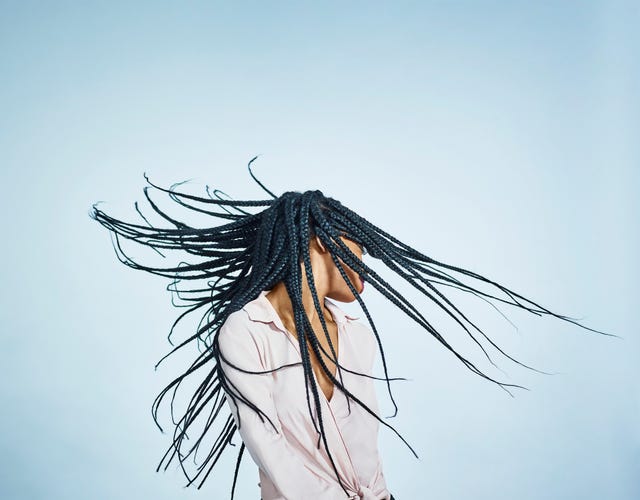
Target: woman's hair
230 264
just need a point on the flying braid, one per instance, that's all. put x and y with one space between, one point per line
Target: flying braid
232 263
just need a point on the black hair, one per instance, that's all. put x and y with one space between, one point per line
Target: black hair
252 252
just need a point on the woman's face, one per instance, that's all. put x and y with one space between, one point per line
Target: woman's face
339 290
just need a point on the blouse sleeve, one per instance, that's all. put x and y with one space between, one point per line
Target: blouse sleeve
269 449
378 483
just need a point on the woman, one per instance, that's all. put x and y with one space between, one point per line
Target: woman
262 336
291 369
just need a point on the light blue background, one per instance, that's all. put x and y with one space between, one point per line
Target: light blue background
497 136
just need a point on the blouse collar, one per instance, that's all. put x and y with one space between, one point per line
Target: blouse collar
261 309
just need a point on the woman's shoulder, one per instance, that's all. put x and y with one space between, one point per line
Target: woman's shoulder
240 339
237 320
247 325
238 329
362 335
360 329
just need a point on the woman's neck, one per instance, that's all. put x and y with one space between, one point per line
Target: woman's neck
281 302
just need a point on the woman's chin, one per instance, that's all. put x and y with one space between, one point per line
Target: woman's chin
343 296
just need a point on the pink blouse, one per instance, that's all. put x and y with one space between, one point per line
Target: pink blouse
290 465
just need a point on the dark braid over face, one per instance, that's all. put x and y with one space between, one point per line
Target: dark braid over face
252 252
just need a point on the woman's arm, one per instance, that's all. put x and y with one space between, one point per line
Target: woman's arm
378 483
270 450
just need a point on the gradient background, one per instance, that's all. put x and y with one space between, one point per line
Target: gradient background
497 136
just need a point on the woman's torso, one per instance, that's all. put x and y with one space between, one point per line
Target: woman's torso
351 432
